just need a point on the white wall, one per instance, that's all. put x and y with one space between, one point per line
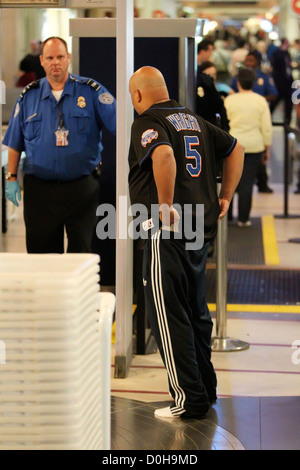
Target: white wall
288 21
20 26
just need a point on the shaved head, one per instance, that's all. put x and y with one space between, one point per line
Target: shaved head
147 86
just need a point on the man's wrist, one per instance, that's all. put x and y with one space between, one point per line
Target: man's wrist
11 176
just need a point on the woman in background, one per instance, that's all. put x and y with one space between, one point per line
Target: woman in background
251 124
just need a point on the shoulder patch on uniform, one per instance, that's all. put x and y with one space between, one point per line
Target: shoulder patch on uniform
74 79
17 110
106 98
148 136
31 85
93 84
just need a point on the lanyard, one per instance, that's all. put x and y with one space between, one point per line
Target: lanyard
61 133
60 115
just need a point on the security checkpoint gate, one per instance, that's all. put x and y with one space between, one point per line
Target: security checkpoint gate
94 53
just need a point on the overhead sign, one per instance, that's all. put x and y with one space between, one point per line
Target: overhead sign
58 3
90 3
31 3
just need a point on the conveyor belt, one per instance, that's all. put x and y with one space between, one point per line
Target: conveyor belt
234 423
135 427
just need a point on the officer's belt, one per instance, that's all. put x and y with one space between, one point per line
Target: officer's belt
57 182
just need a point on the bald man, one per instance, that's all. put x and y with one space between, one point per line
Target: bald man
172 158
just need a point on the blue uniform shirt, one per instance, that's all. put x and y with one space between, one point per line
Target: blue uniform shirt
264 85
85 106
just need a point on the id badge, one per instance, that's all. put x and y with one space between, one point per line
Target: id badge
62 137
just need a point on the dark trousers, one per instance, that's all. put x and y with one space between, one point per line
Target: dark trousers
286 97
52 207
174 280
245 186
262 176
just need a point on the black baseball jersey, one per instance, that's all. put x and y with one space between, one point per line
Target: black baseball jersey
197 145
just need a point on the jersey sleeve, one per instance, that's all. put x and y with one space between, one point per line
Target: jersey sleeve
106 108
223 142
146 135
14 137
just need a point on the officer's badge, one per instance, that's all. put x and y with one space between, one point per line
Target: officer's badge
200 92
81 102
260 81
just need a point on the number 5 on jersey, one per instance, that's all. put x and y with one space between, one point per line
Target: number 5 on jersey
194 169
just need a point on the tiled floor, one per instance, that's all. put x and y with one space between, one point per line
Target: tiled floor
258 389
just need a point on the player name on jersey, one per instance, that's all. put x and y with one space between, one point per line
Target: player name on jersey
184 122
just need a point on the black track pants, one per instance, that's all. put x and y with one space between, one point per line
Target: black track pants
174 280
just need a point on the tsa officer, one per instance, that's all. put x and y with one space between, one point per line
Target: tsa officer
57 121
264 85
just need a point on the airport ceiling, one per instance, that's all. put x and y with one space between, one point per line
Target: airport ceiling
235 9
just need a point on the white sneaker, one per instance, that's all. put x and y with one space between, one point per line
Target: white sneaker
244 224
165 413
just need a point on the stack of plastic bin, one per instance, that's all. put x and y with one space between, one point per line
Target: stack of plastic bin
55 380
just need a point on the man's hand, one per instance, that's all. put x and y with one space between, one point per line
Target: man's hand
224 206
168 215
13 192
266 155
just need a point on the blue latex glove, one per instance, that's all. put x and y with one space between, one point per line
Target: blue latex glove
13 192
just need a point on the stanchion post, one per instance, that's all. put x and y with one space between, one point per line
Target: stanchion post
221 343
286 172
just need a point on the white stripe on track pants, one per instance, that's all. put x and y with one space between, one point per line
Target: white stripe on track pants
174 280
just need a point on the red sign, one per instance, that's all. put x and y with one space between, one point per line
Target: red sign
296 6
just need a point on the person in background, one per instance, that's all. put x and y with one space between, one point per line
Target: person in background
209 104
264 86
261 49
238 56
58 121
271 48
295 57
204 50
210 69
283 78
297 190
167 169
250 122
221 59
30 68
